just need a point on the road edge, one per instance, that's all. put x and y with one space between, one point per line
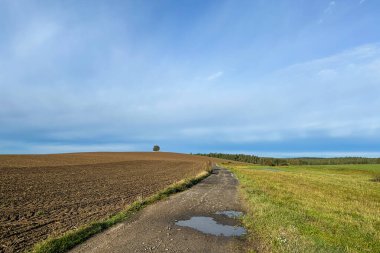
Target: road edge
250 237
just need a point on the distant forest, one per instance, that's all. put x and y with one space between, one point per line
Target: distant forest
293 161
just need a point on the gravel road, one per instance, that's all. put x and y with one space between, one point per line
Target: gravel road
154 229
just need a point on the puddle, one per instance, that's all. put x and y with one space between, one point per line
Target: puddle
230 214
208 225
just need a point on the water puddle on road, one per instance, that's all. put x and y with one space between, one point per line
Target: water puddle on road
231 214
208 225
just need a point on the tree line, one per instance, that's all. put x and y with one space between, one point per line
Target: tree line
270 161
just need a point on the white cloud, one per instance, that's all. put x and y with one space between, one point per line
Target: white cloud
34 37
336 96
215 75
327 73
330 7
86 82
327 11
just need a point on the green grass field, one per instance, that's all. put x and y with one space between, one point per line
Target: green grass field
325 208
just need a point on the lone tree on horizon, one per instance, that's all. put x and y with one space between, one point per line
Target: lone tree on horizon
156 148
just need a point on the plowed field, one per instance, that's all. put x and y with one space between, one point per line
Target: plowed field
44 195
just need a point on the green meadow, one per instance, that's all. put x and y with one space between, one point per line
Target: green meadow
324 208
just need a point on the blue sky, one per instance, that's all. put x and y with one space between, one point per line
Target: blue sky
283 78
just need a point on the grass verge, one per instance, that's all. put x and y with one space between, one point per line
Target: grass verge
332 208
72 238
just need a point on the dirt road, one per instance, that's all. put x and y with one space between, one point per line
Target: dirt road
158 227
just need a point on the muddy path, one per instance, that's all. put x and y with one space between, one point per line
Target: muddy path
167 225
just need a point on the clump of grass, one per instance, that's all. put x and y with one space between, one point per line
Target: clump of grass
376 179
311 208
72 238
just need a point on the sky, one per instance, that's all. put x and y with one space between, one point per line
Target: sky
274 78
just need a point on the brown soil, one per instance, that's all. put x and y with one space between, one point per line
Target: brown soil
44 195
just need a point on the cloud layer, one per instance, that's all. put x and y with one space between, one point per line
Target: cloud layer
105 79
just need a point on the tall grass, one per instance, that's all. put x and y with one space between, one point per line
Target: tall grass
72 238
312 208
